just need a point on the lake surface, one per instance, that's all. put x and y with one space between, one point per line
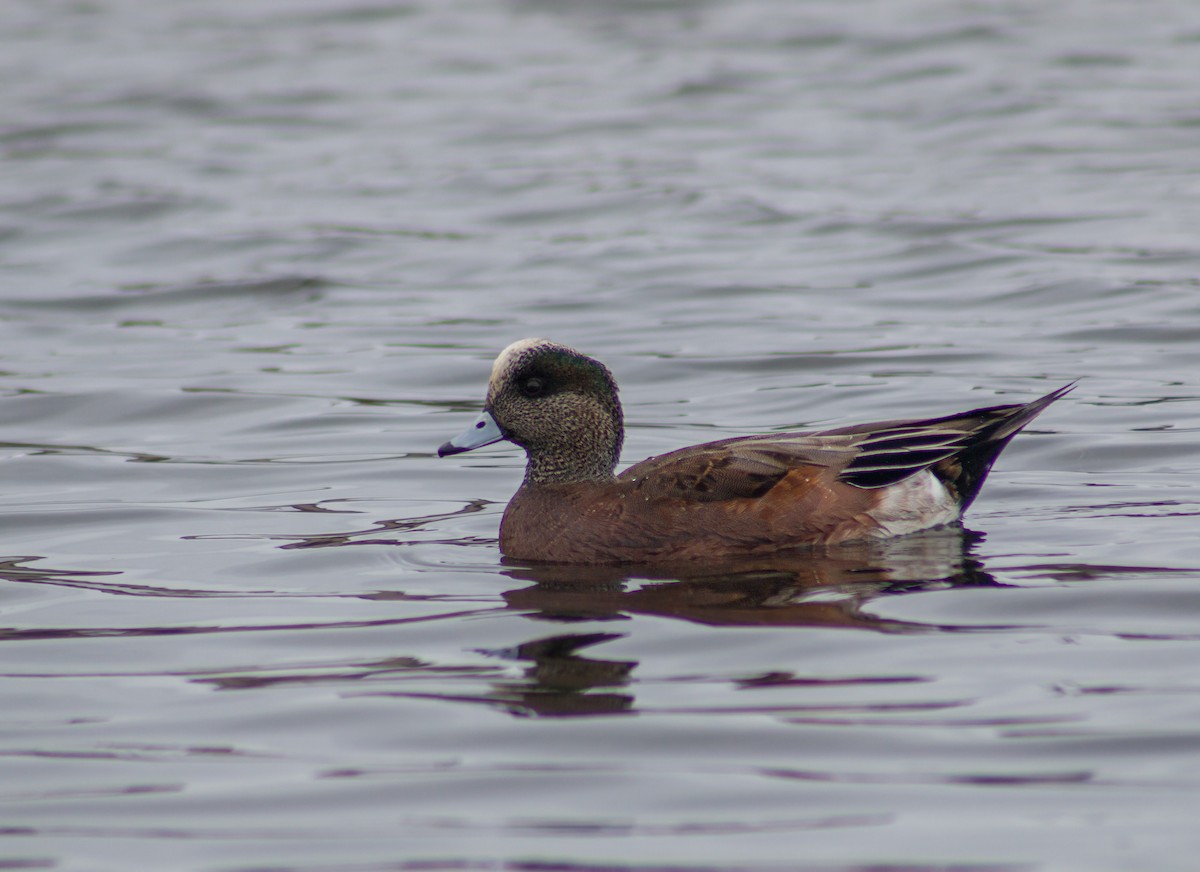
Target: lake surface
255 261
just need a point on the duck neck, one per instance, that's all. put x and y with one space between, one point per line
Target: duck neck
587 455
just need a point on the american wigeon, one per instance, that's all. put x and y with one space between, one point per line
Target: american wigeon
746 496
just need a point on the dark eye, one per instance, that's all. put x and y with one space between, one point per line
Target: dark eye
533 386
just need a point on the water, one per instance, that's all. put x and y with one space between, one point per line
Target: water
255 260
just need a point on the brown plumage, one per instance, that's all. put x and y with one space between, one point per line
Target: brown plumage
745 496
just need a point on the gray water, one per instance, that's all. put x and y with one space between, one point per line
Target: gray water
255 260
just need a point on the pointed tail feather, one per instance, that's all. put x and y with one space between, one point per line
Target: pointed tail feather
965 471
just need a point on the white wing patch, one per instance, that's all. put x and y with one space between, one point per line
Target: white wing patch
919 502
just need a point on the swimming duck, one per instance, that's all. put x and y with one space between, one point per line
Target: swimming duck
745 496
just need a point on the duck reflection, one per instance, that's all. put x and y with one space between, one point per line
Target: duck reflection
828 588
559 682
816 588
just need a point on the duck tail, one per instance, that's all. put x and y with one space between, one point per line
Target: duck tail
991 430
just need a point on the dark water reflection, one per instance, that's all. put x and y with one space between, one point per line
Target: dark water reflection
823 587
564 674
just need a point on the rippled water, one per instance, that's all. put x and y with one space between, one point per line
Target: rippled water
255 260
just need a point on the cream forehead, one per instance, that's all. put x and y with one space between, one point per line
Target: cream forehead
509 356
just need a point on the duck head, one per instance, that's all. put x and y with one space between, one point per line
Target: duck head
558 404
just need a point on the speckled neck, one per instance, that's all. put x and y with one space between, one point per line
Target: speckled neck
582 453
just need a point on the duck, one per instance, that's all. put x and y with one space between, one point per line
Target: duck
741 497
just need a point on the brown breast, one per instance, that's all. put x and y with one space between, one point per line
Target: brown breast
642 520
